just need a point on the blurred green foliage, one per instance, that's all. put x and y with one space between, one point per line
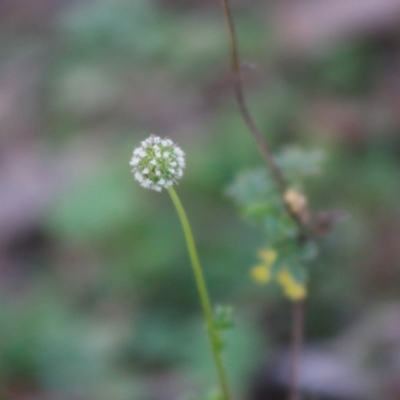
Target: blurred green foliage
260 202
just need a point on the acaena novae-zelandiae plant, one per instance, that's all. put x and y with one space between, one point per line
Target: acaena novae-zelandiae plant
158 164
271 198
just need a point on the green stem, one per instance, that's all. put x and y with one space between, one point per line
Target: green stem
204 297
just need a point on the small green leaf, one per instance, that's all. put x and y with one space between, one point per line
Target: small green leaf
224 318
252 187
298 164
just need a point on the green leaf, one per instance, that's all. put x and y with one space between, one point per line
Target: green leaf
298 164
223 318
253 186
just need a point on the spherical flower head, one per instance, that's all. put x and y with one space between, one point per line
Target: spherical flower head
157 163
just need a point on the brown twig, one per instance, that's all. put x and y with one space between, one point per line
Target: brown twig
251 125
304 233
238 87
297 343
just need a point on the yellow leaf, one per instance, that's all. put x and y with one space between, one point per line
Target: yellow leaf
291 288
268 256
261 274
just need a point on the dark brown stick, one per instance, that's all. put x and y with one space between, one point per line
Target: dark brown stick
304 233
297 344
249 121
238 88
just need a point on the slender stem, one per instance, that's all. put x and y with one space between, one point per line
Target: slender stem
304 232
297 343
249 121
203 293
238 87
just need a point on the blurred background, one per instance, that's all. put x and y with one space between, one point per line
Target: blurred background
97 300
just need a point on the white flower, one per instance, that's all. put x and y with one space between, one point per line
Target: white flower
139 177
157 188
146 183
139 152
181 161
179 152
157 163
168 143
134 161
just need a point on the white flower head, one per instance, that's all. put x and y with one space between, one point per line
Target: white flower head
153 171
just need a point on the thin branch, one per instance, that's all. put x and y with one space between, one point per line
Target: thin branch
249 121
304 232
238 87
297 343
